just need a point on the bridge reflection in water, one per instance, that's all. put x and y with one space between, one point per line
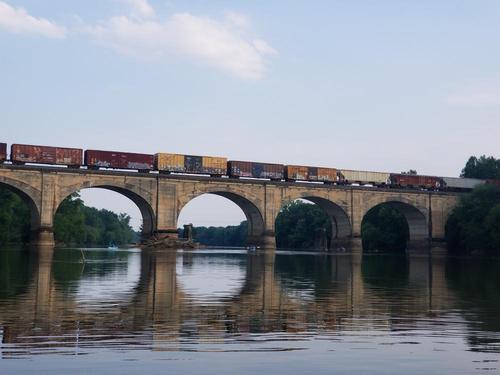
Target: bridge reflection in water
293 296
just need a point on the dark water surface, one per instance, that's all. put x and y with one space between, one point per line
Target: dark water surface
229 312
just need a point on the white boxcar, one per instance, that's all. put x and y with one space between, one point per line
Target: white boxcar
365 177
462 183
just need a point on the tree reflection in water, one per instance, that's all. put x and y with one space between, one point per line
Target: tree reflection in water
42 309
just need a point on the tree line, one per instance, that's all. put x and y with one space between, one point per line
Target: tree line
75 224
474 224
302 226
231 236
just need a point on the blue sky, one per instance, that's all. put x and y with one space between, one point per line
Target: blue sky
376 85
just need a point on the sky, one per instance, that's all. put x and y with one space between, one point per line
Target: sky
380 85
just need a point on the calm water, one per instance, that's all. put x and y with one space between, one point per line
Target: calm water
228 312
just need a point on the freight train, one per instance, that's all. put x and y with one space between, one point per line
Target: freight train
166 163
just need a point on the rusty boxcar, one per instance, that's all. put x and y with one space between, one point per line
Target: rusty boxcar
413 180
303 173
20 154
364 177
95 159
252 169
3 152
167 163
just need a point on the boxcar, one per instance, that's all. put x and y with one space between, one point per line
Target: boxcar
95 159
413 180
302 173
167 163
3 152
20 154
458 183
364 177
252 169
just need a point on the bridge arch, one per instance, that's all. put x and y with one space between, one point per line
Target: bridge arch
339 220
29 195
415 216
136 194
246 202
341 223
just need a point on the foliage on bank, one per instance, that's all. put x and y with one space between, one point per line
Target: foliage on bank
299 225
384 229
231 236
74 223
14 218
475 222
77 224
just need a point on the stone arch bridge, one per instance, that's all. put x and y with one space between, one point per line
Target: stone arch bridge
161 198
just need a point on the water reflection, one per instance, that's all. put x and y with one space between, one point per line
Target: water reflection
69 301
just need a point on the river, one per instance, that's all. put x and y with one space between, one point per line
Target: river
232 312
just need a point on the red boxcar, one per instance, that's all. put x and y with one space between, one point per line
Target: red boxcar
3 152
413 180
20 154
255 170
95 159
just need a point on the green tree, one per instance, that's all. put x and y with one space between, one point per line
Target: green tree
384 229
298 223
69 222
482 167
78 225
74 223
474 224
14 218
233 235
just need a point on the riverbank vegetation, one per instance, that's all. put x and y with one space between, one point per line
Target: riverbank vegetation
231 236
74 224
14 218
77 224
305 226
385 229
474 224
302 225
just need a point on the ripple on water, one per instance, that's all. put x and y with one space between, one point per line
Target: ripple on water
211 303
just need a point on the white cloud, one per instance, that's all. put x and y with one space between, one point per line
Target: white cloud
140 8
19 21
224 44
263 47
